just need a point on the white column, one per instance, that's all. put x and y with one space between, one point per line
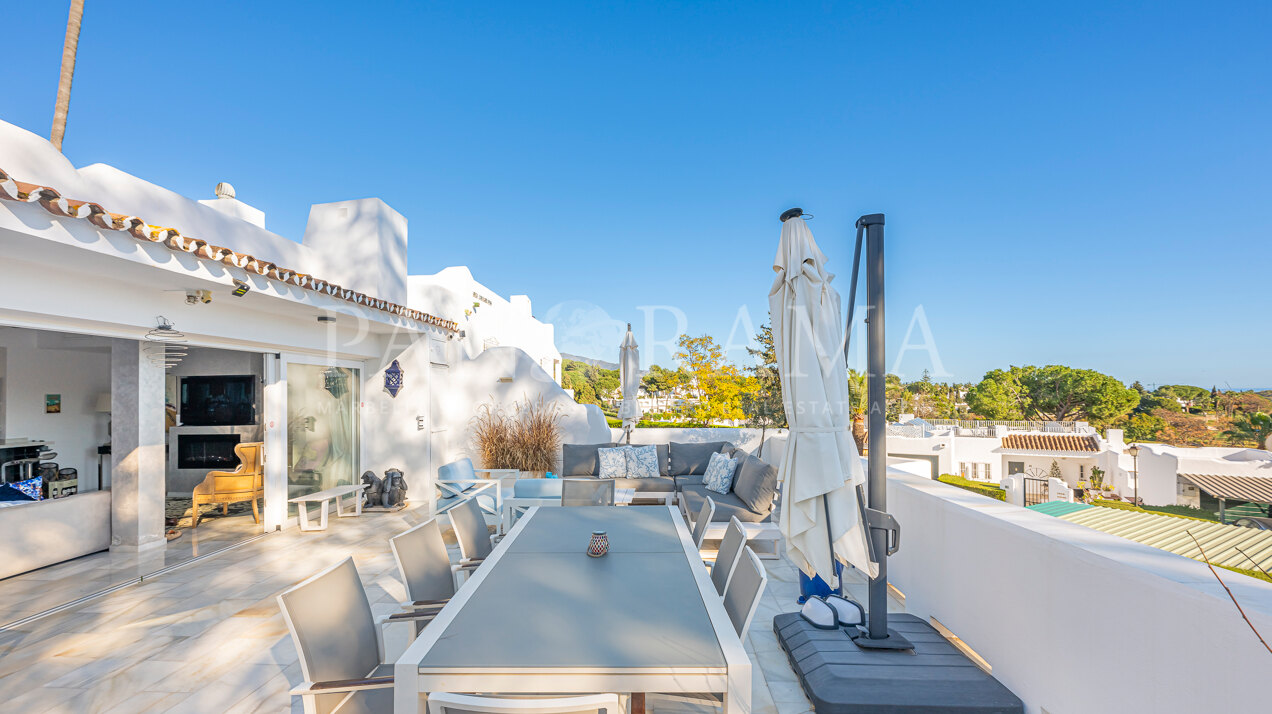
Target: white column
138 483
275 419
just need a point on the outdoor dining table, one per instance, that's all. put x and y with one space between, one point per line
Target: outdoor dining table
542 616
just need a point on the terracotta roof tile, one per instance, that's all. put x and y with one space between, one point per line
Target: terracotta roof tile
1052 442
53 202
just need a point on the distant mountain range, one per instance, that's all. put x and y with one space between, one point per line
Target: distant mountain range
588 360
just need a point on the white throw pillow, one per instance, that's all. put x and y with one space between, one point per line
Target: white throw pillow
642 461
719 475
613 462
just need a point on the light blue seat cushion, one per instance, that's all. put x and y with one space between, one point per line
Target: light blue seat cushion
537 488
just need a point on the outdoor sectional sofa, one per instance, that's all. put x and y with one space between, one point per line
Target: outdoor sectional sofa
751 499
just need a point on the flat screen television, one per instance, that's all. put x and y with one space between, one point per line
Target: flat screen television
218 401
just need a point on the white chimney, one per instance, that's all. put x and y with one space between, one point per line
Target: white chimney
226 203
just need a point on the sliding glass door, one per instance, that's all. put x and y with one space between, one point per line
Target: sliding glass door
322 427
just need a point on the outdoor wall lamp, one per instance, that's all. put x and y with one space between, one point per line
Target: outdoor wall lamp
240 288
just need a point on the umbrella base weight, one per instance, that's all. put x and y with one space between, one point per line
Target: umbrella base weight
841 678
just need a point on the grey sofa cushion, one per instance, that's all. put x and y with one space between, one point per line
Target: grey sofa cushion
690 459
581 459
690 480
664 459
755 483
728 505
661 484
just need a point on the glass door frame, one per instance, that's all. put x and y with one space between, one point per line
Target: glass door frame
278 513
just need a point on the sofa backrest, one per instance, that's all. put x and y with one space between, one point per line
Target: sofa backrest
581 459
692 459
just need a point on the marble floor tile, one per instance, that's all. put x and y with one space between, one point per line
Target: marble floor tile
208 637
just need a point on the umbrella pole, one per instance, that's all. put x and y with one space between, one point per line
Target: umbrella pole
882 526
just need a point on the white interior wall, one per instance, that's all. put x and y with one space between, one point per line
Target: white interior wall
79 374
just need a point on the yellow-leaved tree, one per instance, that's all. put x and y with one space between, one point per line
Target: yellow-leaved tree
717 386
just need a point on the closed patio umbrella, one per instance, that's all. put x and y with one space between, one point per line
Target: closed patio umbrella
629 380
820 467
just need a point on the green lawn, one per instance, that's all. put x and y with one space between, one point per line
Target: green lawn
984 489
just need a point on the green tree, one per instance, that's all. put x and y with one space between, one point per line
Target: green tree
1000 395
661 382
591 385
1054 392
1250 430
1143 427
1054 471
1192 397
763 406
856 392
1160 398
718 385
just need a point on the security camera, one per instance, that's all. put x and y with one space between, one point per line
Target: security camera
197 296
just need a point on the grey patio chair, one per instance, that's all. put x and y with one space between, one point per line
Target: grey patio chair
473 535
742 595
587 492
447 703
425 566
338 645
729 555
702 521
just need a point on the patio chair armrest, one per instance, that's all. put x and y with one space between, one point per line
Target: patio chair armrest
411 616
342 685
427 604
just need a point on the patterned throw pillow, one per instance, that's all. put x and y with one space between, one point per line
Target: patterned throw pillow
30 487
719 475
642 461
613 462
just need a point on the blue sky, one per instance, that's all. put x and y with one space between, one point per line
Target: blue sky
1079 183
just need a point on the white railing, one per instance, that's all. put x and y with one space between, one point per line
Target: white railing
1071 619
909 431
983 425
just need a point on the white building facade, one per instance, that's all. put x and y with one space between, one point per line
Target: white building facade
309 333
993 451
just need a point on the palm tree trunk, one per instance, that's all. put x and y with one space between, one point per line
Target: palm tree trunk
69 47
859 432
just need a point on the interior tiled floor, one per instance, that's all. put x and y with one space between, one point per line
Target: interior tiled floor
37 591
208 637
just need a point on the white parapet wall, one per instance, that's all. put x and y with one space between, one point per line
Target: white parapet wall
1074 620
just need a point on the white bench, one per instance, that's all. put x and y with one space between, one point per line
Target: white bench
324 497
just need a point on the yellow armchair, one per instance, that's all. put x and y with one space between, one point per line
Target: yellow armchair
246 483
